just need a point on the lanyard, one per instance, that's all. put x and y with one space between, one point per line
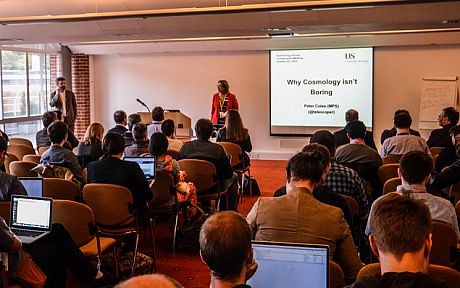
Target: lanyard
221 103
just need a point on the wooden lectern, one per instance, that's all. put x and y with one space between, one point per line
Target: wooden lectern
182 122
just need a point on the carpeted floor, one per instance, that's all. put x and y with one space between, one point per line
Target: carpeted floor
186 267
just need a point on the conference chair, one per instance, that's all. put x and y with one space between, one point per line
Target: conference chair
62 189
336 276
453 191
21 141
42 150
391 185
78 220
117 219
204 175
387 171
448 275
20 150
444 249
457 211
436 150
389 159
237 161
11 158
32 158
23 169
173 153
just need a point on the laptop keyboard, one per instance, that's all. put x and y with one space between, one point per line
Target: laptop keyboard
26 233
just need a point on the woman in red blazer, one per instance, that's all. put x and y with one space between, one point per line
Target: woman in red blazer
222 102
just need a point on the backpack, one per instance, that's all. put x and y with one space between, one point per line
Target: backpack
55 171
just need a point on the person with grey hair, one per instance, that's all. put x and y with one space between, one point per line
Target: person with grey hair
151 280
341 135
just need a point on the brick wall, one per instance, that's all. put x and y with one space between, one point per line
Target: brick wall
80 86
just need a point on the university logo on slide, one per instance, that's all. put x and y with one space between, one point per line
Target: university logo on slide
349 55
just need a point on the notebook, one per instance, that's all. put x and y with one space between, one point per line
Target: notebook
33 185
147 165
290 265
30 217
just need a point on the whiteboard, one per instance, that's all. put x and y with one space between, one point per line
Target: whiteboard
437 94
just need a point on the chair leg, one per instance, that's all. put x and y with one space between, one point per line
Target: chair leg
154 265
135 253
241 191
174 235
250 184
115 259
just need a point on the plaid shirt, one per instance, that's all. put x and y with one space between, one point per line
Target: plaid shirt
343 180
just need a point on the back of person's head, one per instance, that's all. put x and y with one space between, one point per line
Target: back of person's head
224 85
167 127
57 131
225 242
150 280
400 224
203 129
140 132
452 114
356 129
94 133
158 144
48 118
234 126
351 115
415 166
158 114
3 144
326 139
119 117
132 120
309 165
113 144
402 121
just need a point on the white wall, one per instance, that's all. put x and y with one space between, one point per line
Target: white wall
186 81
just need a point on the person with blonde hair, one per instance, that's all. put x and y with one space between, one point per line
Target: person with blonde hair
91 148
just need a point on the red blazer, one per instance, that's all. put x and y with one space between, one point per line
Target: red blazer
215 109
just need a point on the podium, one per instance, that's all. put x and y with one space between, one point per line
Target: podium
182 122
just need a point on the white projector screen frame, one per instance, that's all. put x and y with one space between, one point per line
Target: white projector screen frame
323 81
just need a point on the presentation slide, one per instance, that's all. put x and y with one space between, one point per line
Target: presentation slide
312 89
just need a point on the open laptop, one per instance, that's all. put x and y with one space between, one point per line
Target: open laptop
30 217
33 185
147 165
290 265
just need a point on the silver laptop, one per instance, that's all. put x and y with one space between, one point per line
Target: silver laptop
30 217
33 185
147 165
290 265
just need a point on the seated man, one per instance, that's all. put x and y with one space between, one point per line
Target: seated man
341 135
289 218
42 137
401 239
392 132
225 246
441 137
414 170
57 154
158 115
120 119
150 280
167 127
141 142
449 155
203 149
403 141
9 184
133 119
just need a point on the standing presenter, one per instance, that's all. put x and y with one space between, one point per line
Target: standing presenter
65 103
222 102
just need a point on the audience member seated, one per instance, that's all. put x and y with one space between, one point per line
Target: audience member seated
203 149
403 141
401 239
120 119
110 169
141 142
167 127
158 115
150 280
91 148
289 218
54 254
449 155
341 137
234 132
133 119
441 137
9 184
42 138
449 175
57 154
414 170
392 132
225 246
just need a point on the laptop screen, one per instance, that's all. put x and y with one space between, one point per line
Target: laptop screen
31 212
147 165
33 185
290 265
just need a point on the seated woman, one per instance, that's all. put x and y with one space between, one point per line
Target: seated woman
141 141
91 148
234 132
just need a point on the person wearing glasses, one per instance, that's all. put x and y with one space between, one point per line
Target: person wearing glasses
9 184
441 137
222 102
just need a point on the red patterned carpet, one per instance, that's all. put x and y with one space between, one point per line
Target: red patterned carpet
187 268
